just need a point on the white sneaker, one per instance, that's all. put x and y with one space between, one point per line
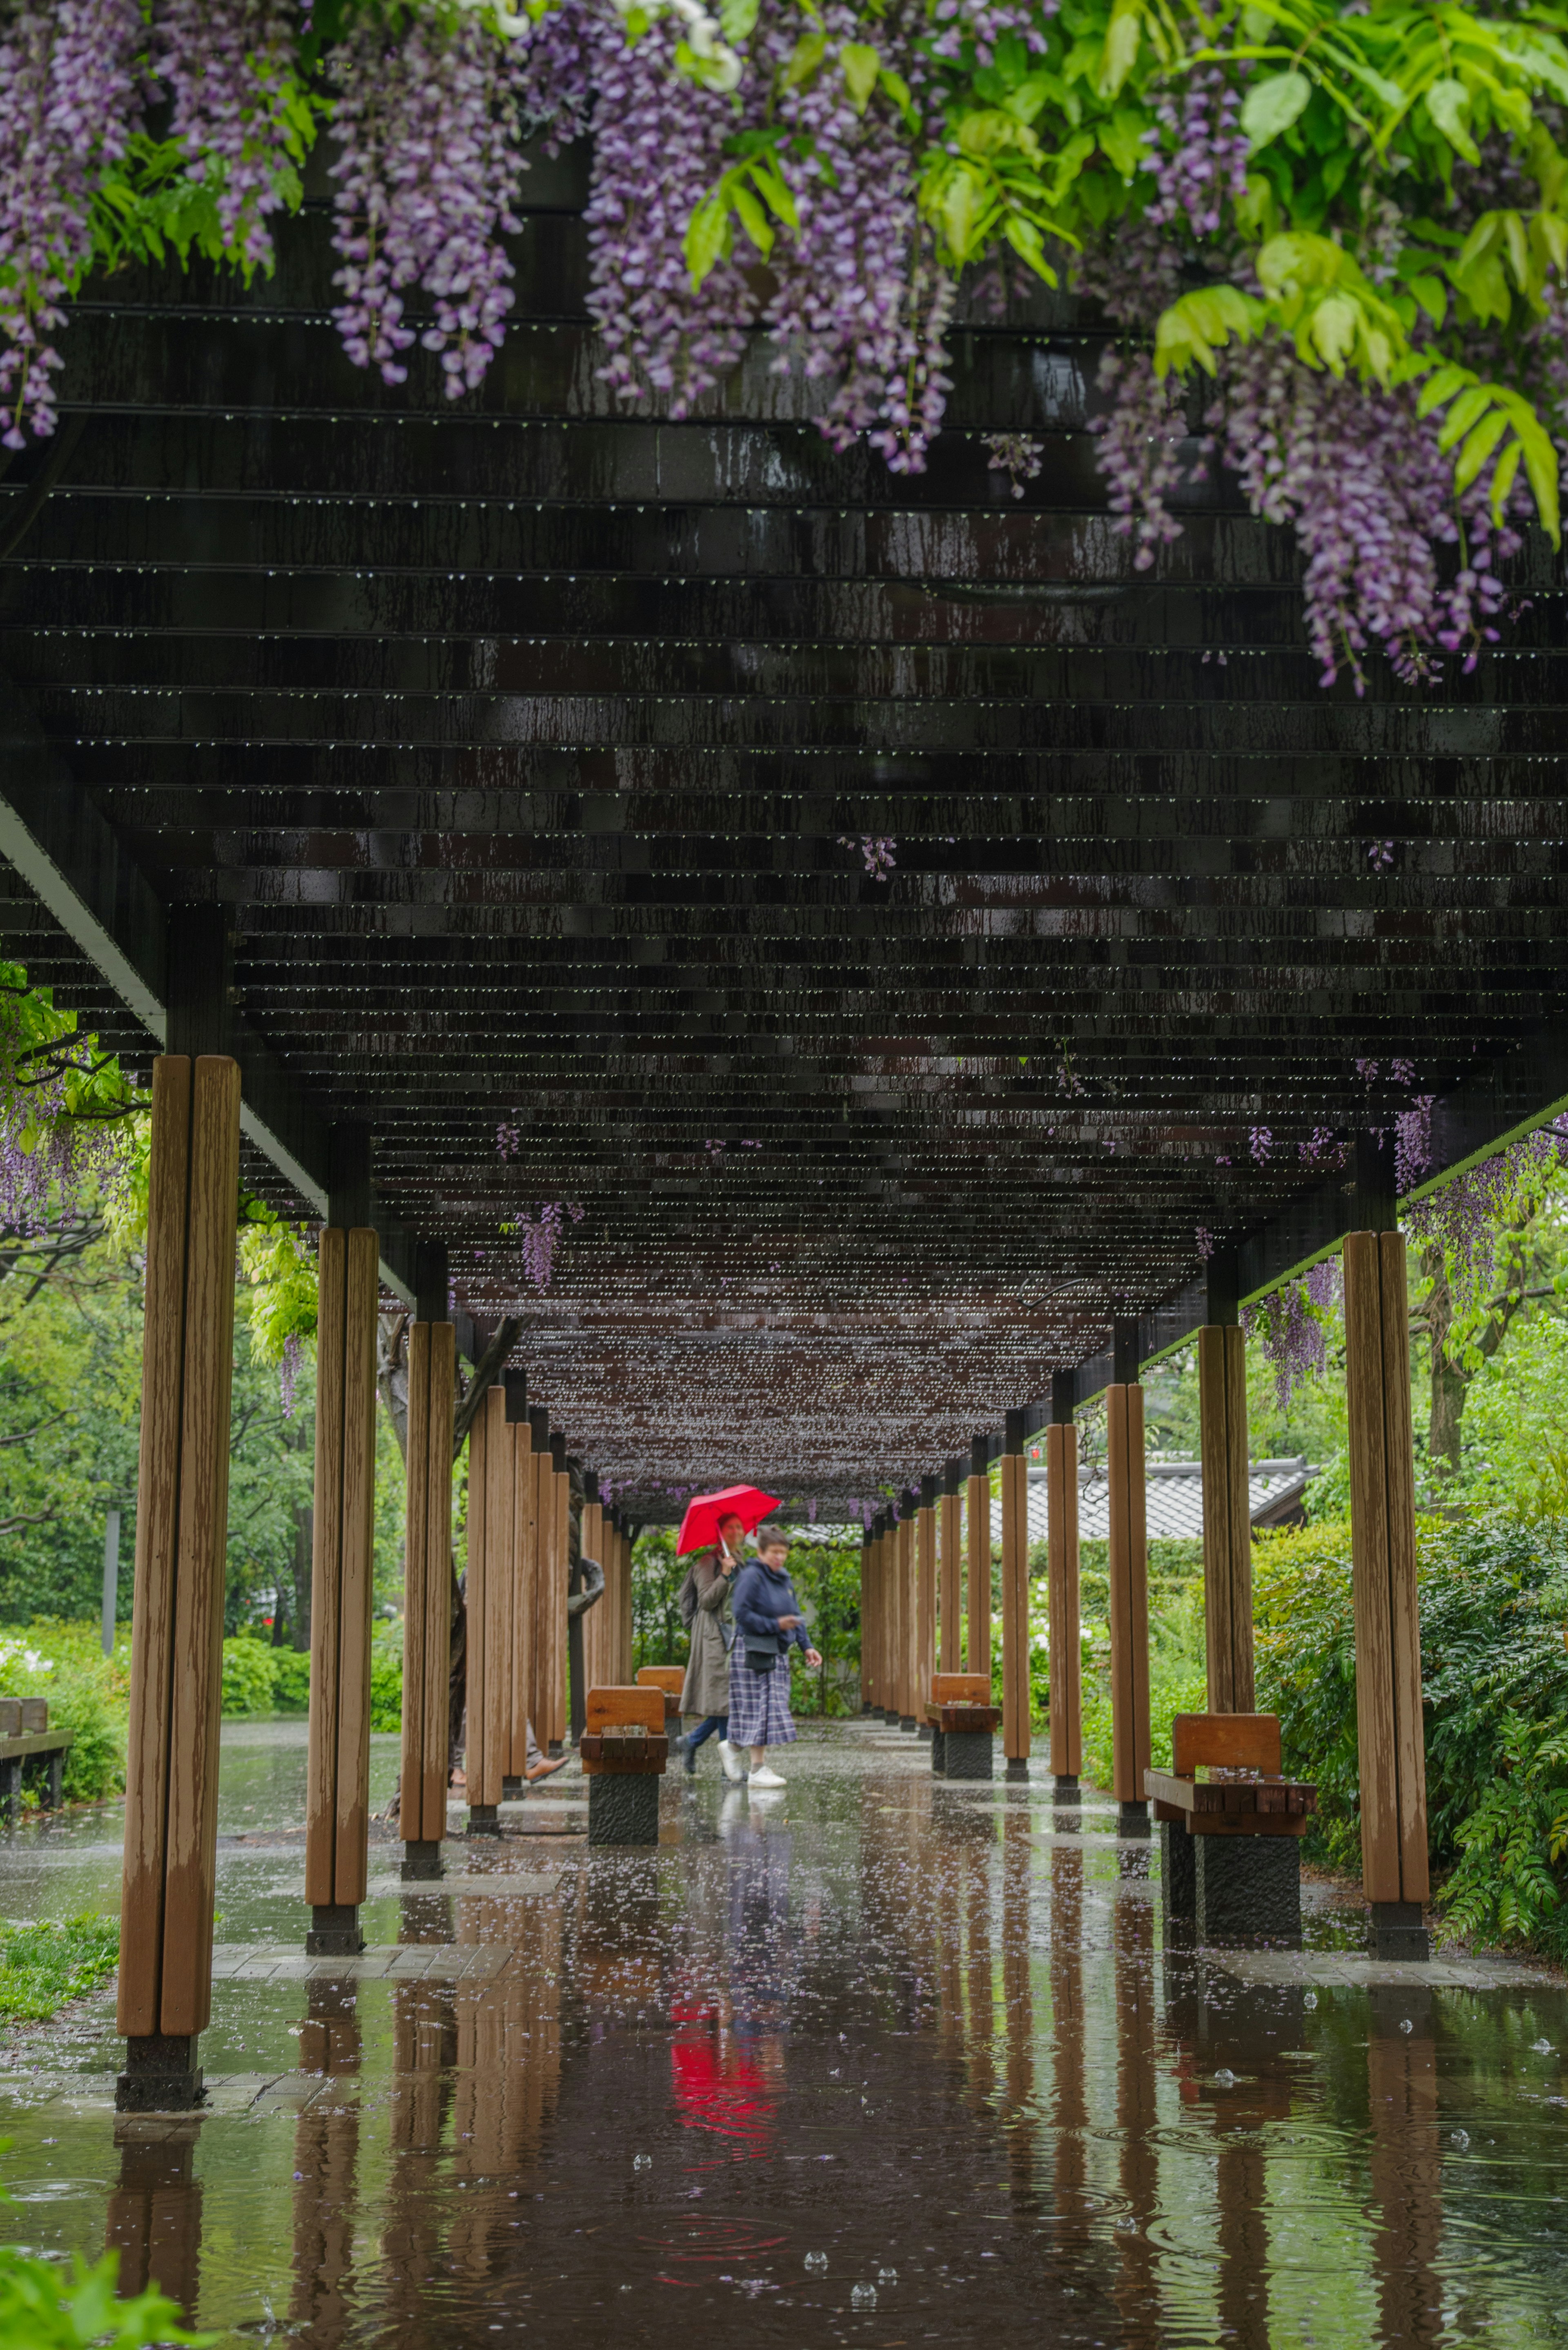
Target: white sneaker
728 1756
766 1778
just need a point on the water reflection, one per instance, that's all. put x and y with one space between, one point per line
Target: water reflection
155 2210
326 2164
1405 2165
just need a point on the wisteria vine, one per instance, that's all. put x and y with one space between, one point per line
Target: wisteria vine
1352 225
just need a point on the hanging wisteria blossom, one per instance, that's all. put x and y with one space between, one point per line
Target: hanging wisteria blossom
1331 245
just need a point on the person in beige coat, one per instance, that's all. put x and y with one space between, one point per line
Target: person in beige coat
706 1690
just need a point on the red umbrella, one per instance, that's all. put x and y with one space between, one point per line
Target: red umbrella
700 1526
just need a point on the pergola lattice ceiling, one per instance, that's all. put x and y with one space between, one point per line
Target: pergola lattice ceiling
522 739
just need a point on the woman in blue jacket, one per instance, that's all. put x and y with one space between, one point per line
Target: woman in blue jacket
768 1623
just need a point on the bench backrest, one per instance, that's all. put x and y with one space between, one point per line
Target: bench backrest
1231 1741
671 1678
960 1688
609 1709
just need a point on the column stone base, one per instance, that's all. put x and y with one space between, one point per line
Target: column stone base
334 1931
1249 1889
555 1746
421 1862
1017 1772
514 1790
938 1754
1066 1790
969 1754
1132 1819
160 2076
923 1730
1395 1931
624 1810
484 1819
1177 1876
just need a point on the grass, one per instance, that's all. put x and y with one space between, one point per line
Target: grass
44 1968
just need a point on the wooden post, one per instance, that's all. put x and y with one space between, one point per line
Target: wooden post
524 1580
338 1796
1066 1636
595 1657
556 1597
1227 1516
491 1552
542 1470
978 1510
865 1621
176 1663
1129 1584
1391 1738
951 1572
427 1597
880 1699
926 1589
908 1614
1015 1600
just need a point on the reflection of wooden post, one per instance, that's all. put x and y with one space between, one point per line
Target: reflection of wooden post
154 2217
1015 1600
1394 1870
326 2168
338 1799
1066 1632
1404 2166
176 1669
427 1597
1071 2104
926 1587
1226 1502
1129 1584
1018 1994
977 1511
1136 2291
951 1572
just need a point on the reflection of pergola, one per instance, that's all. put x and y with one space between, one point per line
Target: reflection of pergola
489 781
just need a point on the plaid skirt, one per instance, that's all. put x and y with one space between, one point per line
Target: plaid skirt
759 1702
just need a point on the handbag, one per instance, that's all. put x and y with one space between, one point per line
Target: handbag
762 1653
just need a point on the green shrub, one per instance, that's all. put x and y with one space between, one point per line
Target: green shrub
45 2305
1493 1596
1508 1885
386 1676
290 1680
95 1762
43 1967
247 1676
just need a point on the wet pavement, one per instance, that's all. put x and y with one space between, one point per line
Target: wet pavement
872 2060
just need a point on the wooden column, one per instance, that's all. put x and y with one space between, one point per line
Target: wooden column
1227 1516
926 1601
1015 1600
1066 1639
909 1613
176 1661
555 1597
337 1791
977 1506
1389 1734
427 1597
543 1469
524 1580
880 1699
1129 1584
491 1503
596 1655
951 1574
869 1677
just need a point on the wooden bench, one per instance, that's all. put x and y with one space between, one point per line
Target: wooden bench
624 1751
962 1721
24 1734
671 1678
1230 1826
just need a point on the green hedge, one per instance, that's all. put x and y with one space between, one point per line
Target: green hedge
259 1679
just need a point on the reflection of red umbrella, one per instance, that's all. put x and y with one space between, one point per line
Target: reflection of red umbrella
700 1526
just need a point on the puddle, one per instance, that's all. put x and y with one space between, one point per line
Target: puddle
872 2060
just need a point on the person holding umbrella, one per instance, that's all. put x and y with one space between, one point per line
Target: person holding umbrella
713 1529
706 1689
768 1622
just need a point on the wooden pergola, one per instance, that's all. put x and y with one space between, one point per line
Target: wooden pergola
943 963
